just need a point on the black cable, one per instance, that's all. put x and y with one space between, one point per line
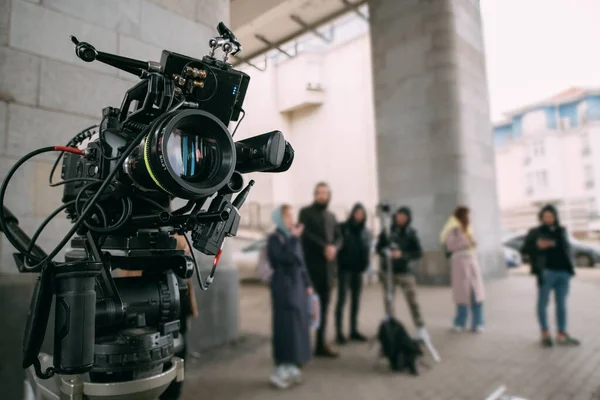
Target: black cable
47 220
73 180
239 122
77 139
90 206
42 226
78 200
198 275
3 188
202 65
216 84
127 211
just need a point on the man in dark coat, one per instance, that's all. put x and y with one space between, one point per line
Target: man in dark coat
405 248
321 241
551 261
353 260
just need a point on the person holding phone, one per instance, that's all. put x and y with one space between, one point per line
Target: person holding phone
291 289
550 255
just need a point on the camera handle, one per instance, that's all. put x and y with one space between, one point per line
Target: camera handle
226 40
88 53
74 286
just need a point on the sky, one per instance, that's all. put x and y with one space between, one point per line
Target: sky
537 48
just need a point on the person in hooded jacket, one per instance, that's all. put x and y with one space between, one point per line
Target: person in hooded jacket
353 261
551 260
405 249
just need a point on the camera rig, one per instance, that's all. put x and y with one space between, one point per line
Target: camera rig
169 139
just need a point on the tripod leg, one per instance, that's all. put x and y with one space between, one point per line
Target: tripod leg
434 354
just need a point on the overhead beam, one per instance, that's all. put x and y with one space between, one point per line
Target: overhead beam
308 28
271 45
356 10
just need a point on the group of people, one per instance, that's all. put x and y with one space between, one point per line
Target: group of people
313 253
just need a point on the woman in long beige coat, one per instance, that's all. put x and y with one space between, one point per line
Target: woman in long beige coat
467 282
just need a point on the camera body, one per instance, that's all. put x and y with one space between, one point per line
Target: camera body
169 139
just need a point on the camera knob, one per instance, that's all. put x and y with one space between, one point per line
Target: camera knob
86 52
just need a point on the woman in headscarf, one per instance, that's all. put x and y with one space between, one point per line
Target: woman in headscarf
290 291
467 281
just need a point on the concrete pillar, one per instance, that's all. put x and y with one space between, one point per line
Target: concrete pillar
47 95
433 130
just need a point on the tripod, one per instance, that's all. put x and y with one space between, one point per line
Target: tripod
136 322
422 334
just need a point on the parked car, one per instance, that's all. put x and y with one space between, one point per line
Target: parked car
585 255
512 257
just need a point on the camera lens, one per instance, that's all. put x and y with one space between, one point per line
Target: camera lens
192 157
188 154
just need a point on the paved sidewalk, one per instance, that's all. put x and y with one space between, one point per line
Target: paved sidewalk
473 366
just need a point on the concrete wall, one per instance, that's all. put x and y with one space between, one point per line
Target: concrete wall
47 95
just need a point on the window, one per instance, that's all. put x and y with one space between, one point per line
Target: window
585 144
529 187
541 179
537 149
593 207
589 177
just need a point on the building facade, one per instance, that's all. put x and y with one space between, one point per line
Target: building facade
321 99
547 153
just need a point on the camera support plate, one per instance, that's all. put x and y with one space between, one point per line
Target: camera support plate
64 387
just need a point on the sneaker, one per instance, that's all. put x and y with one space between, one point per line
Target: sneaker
294 373
280 378
546 341
479 329
357 337
457 329
565 340
341 339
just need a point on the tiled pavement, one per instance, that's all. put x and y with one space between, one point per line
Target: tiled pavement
473 366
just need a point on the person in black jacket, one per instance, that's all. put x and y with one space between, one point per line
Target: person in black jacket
405 248
550 256
353 260
321 241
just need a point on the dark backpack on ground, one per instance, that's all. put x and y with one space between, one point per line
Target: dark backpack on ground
398 347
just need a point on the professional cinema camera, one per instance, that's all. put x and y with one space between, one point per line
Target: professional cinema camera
115 338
